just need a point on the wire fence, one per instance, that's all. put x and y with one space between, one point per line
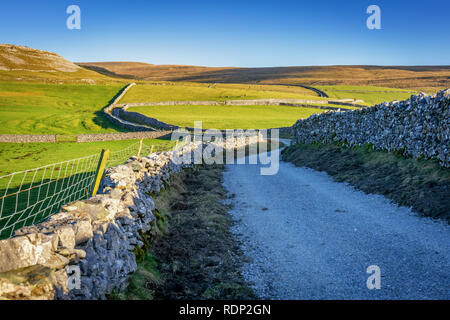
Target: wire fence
29 197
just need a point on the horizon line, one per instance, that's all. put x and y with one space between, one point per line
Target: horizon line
262 67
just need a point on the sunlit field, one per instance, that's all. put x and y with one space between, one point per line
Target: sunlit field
218 92
27 108
228 117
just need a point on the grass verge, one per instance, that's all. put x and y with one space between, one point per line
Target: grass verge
193 254
422 184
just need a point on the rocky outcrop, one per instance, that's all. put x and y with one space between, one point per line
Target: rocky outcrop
417 127
97 236
15 57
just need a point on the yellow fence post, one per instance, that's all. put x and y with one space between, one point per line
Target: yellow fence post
151 150
100 170
140 148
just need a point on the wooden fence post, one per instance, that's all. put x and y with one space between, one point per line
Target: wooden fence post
100 170
151 150
140 148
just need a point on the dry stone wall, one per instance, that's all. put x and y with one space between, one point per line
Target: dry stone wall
140 119
268 102
30 138
112 116
244 102
419 126
121 136
97 236
86 137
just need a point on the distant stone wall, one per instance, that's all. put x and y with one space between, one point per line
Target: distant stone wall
30 138
141 124
243 102
122 93
350 104
419 126
120 111
139 131
140 119
95 137
97 236
112 116
121 136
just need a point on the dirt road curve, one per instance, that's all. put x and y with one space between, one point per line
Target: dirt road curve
311 238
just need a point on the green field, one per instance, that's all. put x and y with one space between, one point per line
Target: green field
23 156
31 108
228 117
27 108
68 174
371 95
219 92
69 109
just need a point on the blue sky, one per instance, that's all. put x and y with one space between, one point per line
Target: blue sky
234 33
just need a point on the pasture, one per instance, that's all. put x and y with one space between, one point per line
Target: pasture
69 109
37 108
23 156
64 172
369 94
218 92
228 117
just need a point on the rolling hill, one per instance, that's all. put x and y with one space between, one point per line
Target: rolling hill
147 71
20 63
411 77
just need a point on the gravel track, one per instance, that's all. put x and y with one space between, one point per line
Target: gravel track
309 237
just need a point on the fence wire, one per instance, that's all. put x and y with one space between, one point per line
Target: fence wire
118 157
29 197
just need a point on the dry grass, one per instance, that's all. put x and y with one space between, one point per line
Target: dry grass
19 63
426 78
148 71
418 183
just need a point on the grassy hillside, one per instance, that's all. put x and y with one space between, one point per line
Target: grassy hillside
19 63
228 117
423 78
218 92
27 108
